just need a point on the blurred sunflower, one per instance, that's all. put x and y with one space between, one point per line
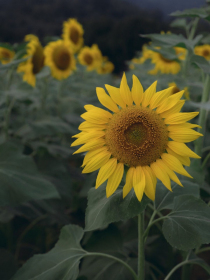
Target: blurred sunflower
73 32
60 58
6 55
105 67
91 57
35 63
143 132
203 50
181 52
164 65
176 89
146 54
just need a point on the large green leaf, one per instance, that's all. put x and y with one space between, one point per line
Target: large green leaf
102 211
62 262
164 199
19 178
188 225
201 62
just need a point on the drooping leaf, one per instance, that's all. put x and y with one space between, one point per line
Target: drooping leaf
164 199
188 225
20 179
179 22
62 262
102 211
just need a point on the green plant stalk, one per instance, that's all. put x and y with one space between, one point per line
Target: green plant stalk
186 268
205 161
202 116
193 28
115 259
141 260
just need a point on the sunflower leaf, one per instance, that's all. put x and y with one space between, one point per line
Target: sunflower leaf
195 12
164 199
188 225
20 179
62 262
201 62
102 211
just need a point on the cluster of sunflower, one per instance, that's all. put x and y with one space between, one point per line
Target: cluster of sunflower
61 55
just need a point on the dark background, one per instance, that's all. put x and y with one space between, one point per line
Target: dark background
114 25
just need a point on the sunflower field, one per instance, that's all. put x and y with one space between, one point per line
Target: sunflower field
132 201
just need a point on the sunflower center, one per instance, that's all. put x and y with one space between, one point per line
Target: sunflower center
165 59
38 60
88 59
206 53
5 54
74 35
61 58
136 136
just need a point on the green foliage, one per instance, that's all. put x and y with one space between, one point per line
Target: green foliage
201 62
62 262
188 225
20 180
199 12
102 211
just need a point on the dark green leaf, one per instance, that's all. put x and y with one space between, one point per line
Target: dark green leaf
102 211
188 225
179 22
201 62
164 199
20 179
62 262
8 265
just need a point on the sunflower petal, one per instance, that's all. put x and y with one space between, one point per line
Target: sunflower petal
91 126
94 144
182 149
97 162
183 159
174 127
115 179
180 118
150 182
105 100
129 182
161 175
169 102
97 115
137 91
89 107
125 91
174 164
115 95
175 109
88 136
184 135
139 182
89 155
159 96
106 171
148 94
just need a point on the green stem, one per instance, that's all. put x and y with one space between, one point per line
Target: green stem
115 259
193 28
29 227
185 269
205 161
141 246
203 250
202 116
149 226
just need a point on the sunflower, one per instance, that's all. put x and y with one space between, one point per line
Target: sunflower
35 63
164 65
6 55
176 89
181 52
105 67
91 57
146 54
203 50
73 32
60 58
143 133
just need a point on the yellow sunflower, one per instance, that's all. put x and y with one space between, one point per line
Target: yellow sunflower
143 132
60 58
176 89
35 63
164 65
73 32
91 57
6 55
146 54
203 50
105 67
181 52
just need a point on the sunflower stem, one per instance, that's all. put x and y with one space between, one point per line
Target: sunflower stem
141 246
202 116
